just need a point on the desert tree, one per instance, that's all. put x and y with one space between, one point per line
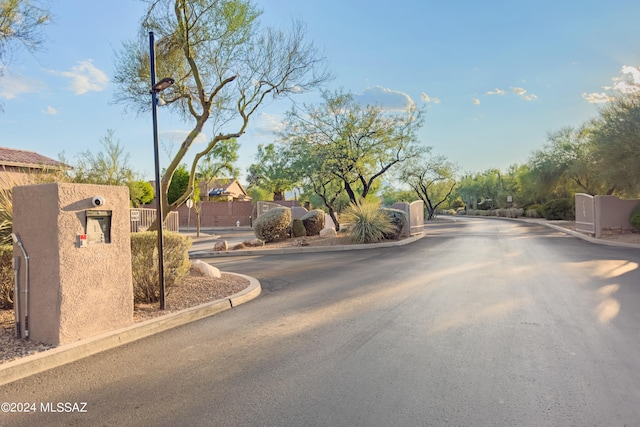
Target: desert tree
433 180
567 161
220 160
225 65
615 139
21 24
356 144
271 171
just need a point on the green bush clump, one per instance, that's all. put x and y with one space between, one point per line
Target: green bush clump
559 209
369 224
144 263
313 222
6 277
273 225
398 219
509 212
533 211
298 228
634 219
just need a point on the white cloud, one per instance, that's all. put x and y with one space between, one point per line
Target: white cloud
387 99
628 82
50 111
14 85
426 98
269 124
475 101
497 92
597 98
523 93
85 77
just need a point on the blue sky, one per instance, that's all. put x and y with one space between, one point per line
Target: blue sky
494 77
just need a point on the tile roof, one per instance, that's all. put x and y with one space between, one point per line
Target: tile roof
13 157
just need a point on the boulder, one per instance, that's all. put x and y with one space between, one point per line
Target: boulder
221 246
313 222
253 243
206 269
328 232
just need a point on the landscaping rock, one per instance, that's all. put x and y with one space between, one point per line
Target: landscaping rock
255 243
221 246
328 232
206 269
313 222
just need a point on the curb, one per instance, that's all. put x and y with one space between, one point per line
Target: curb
304 249
49 359
559 228
591 239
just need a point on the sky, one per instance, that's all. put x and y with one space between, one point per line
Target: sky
495 78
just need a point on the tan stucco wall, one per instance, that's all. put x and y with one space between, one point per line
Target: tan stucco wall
611 211
75 292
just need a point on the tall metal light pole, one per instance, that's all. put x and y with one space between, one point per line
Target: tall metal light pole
155 89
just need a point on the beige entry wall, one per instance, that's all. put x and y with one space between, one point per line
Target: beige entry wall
79 283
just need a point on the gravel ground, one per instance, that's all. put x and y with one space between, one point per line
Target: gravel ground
192 291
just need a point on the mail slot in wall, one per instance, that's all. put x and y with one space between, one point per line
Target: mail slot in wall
98 228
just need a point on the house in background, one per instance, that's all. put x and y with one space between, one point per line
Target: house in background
223 190
22 167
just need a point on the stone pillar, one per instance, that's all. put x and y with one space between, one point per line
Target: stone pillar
79 282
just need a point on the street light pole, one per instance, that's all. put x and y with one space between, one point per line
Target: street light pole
164 83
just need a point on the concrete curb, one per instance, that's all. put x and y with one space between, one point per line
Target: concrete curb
559 228
43 361
304 249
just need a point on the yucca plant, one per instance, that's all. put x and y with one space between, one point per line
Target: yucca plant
368 223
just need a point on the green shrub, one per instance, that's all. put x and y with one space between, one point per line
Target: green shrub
533 211
559 209
6 277
634 219
398 219
368 223
313 222
298 228
144 263
273 225
509 212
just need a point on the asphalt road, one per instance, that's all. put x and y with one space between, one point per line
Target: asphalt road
484 322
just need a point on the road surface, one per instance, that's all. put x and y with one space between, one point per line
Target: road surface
484 322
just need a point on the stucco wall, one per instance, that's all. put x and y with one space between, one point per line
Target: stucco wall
75 292
415 216
611 211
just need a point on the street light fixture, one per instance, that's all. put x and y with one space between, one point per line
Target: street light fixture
156 88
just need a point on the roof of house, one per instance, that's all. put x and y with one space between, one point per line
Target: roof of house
221 186
24 158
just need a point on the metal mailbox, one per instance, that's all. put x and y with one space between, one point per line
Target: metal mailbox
98 227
